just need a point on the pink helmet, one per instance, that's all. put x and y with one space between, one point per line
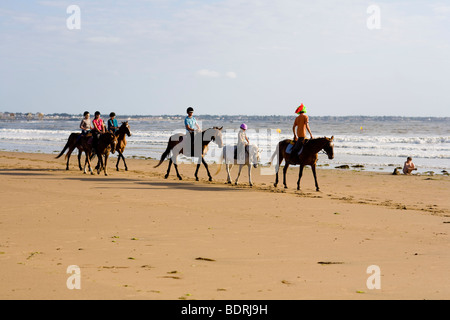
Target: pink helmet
244 126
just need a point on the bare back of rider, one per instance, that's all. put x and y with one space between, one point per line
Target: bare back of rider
301 126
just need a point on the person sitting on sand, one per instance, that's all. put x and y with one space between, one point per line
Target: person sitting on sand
409 166
112 123
301 125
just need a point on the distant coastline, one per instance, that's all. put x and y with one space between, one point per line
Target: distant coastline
65 116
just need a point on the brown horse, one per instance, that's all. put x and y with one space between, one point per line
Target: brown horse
178 144
107 144
308 157
121 135
72 143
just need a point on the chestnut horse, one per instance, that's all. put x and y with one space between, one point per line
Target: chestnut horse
308 157
121 135
72 143
106 144
178 144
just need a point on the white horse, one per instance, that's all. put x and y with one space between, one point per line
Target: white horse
252 158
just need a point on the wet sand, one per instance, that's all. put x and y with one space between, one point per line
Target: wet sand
136 235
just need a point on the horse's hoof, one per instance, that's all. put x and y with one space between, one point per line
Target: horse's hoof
251 184
117 169
285 187
317 189
196 179
228 182
180 178
275 185
126 169
166 176
210 179
92 173
84 172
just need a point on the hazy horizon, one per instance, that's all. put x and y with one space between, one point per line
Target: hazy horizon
253 57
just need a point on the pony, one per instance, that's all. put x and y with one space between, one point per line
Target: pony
179 145
252 158
106 144
72 143
308 157
121 135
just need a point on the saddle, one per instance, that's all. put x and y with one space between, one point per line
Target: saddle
192 138
246 152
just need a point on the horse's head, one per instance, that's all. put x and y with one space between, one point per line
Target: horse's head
214 134
329 147
125 127
112 141
254 155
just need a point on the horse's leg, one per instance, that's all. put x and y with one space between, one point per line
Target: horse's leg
106 163
99 163
196 172
313 167
207 169
118 160
123 160
250 175
68 157
228 166
176 169
168 169
277 168
79 159
286 166
300 173
239 173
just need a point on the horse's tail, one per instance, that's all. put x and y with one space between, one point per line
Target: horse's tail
164 155
220 162
277 152
65 148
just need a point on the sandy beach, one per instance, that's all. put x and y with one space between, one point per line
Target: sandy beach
135 235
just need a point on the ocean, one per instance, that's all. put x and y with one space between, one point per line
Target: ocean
376 143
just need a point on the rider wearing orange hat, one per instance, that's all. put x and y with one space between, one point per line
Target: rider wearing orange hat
301 125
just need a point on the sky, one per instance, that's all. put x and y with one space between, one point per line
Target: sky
226 57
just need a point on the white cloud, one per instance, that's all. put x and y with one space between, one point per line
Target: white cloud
231 75
208 73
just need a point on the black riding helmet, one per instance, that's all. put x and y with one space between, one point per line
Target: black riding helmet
190 109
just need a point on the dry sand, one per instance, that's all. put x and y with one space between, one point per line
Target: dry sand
135 235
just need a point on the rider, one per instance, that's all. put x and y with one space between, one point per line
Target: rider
302 125
191 126
85 124
98 128
112 123
242 144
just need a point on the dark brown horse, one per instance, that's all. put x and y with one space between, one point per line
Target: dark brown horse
107 144
178 144
121 135
72 143
308 157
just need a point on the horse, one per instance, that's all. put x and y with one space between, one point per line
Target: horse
308 157
252 158
107 143
121 135
71 144
177 144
